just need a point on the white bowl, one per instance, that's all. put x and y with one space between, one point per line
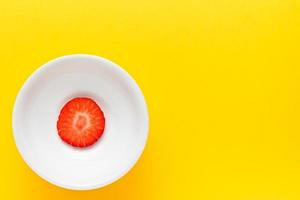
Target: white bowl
36 112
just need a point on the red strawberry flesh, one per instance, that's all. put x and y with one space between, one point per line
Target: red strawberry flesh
81 122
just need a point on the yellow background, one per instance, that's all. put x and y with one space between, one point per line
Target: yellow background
221 79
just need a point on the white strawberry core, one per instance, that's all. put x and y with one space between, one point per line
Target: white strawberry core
81 121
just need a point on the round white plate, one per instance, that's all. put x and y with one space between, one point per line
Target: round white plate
36 112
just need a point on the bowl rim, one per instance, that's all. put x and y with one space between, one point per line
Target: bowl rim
108 63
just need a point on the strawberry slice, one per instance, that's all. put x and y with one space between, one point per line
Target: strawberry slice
81 122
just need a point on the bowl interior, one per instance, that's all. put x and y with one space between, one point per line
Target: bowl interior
37 108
